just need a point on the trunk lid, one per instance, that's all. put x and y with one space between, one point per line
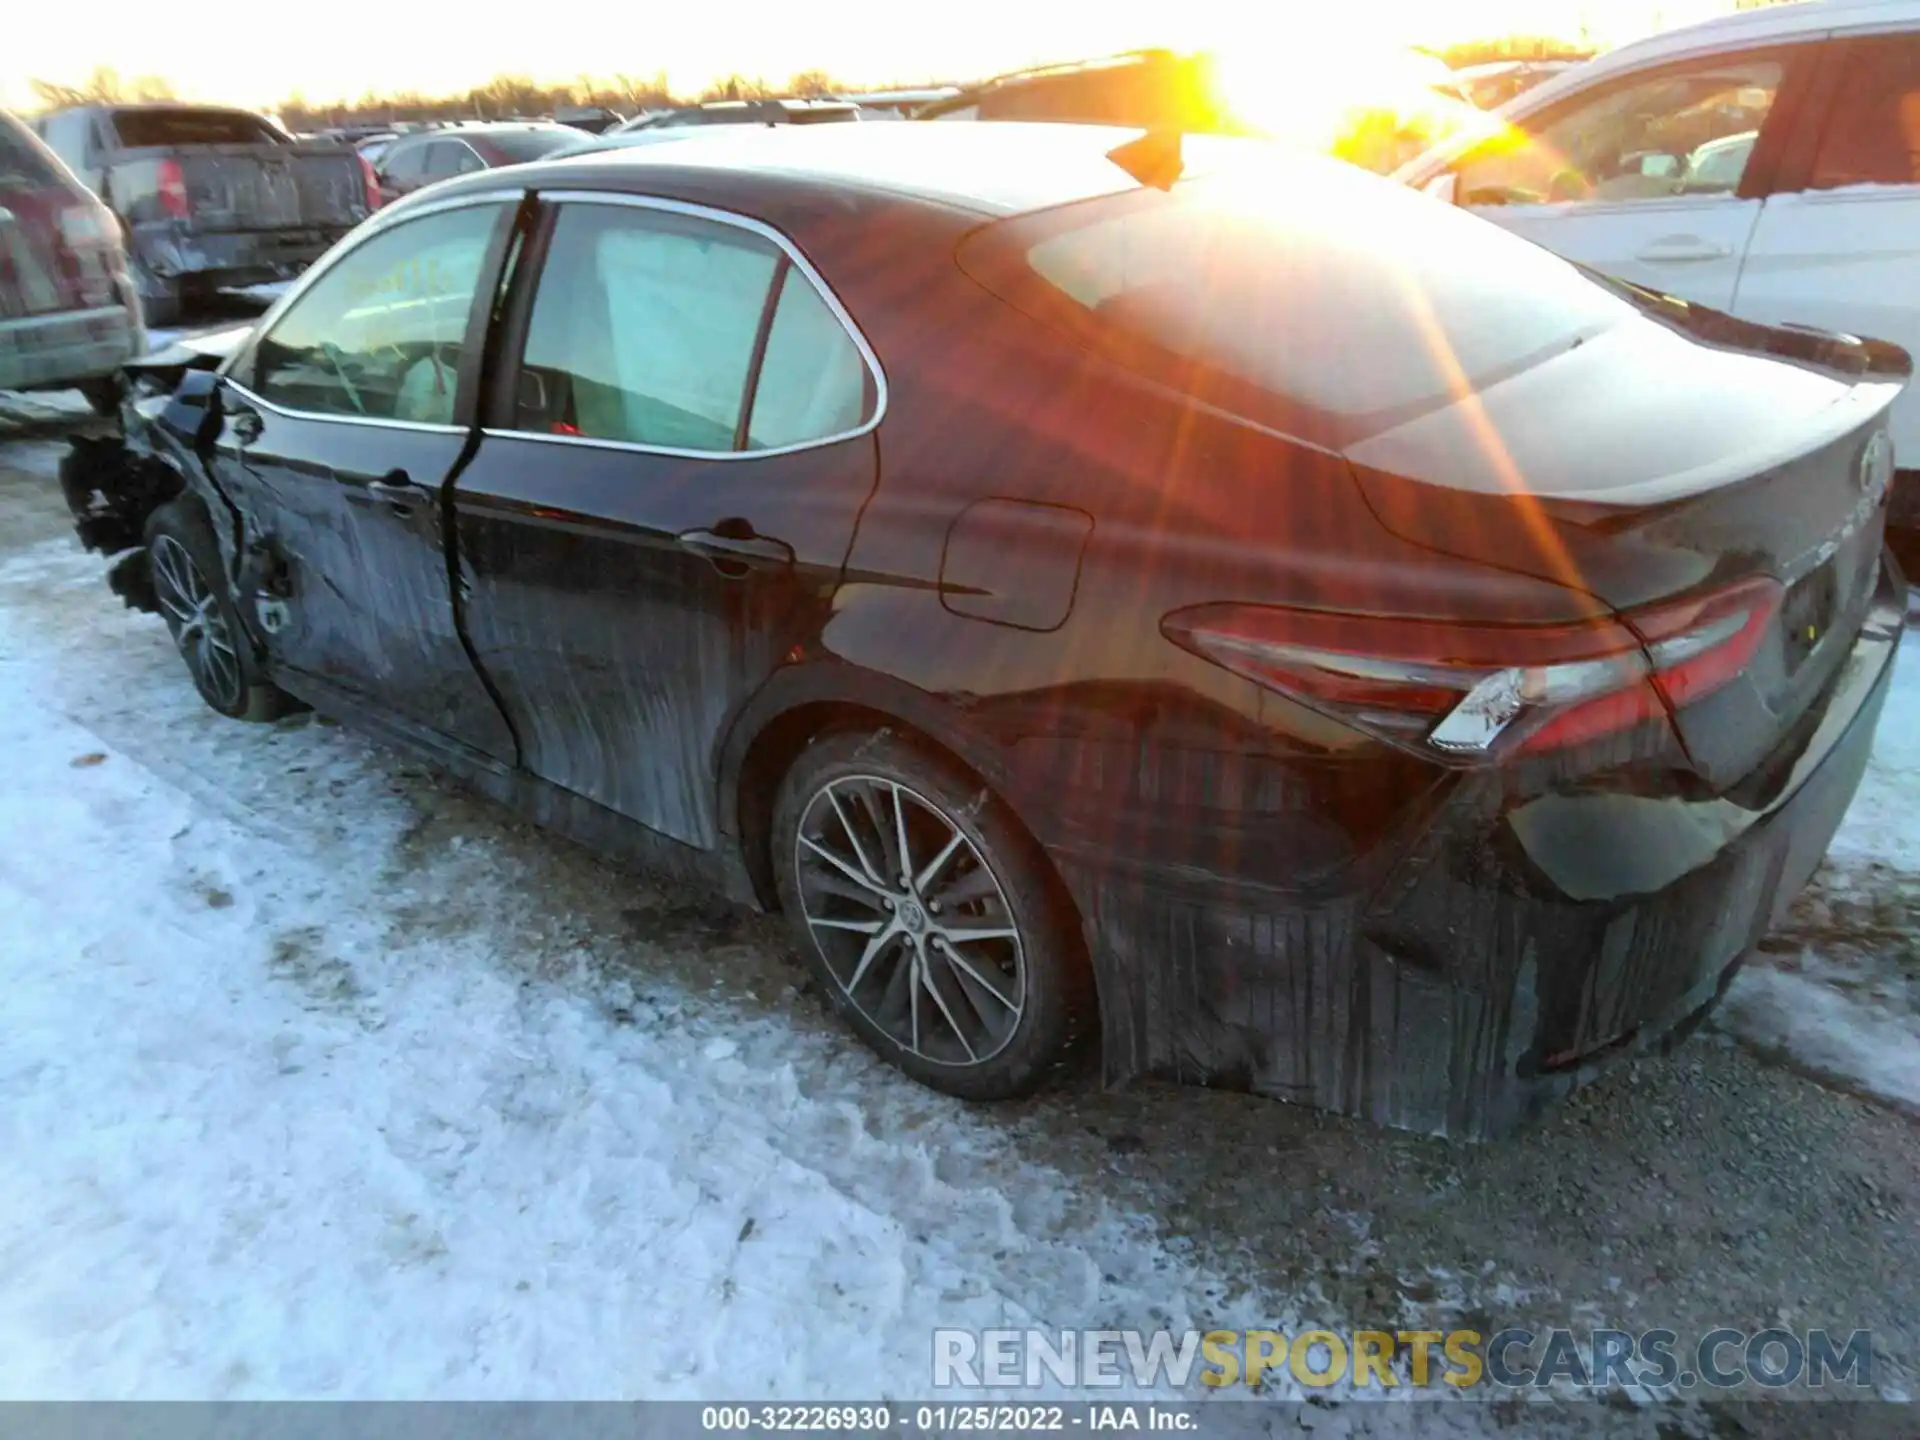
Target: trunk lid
1644 467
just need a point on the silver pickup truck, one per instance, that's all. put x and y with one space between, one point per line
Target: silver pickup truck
209 196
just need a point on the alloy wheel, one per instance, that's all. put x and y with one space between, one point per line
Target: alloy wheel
914 926
198 623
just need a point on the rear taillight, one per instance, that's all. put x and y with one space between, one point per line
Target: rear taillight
1468 693
372 182
171 186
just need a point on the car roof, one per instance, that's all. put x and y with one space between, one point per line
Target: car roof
1801 20
994 168
478 127
193 105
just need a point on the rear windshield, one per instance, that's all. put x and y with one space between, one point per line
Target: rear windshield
139 129
22 162
522 145
1310 284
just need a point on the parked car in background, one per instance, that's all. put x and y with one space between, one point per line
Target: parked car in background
1148 88
1077 604
639 139
413 161
208 196
352 134
374 146
747 112
903 103
1766 164
68 312
594 119
1491 85
1395 105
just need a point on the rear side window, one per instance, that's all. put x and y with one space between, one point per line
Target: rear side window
405 161
22 161
451 157
812 382
1314 287
1873 134
645 331
138 129
66 135
520 146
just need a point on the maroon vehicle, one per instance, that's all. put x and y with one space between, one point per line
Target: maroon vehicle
68 312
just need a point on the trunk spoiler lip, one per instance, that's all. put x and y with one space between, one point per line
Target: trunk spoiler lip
1835 352
1861 403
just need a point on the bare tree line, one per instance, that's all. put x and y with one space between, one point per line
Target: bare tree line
500 97
519 95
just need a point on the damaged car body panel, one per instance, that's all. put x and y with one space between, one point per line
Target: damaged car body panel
1382 754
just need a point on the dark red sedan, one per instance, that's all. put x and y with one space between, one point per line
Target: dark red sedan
417 160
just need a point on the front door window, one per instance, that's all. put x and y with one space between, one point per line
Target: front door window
380 335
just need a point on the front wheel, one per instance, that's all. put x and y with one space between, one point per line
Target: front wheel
926 914
187 582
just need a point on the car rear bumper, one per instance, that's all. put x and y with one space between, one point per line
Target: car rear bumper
242 257
37 351
1512 950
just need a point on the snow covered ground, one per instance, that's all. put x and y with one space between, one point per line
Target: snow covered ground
1837 989
467 1174
323 1079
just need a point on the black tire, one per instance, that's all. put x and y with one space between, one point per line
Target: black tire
102 393
190 585
961 1041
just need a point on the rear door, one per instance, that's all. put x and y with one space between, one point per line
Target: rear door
341 425
1655 177
1838 245
664 496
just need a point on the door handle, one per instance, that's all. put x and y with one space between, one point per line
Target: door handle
396 492
1679 249
245 423
733 548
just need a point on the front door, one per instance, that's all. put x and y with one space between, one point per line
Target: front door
340 427
1646 178
666 492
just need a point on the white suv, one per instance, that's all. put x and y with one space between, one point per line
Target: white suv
1766 164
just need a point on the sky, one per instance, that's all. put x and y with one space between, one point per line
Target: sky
437 47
